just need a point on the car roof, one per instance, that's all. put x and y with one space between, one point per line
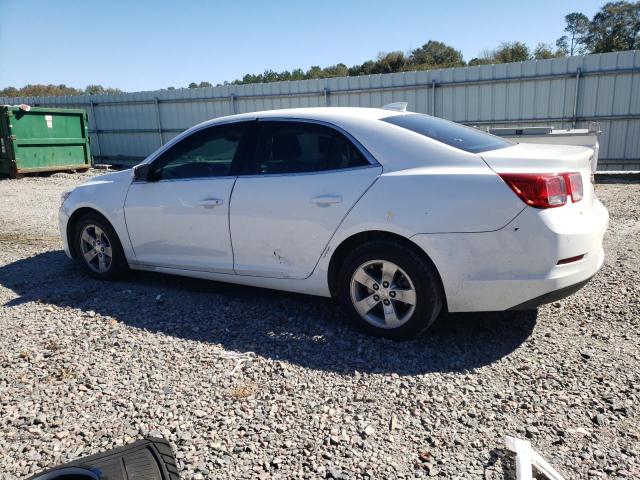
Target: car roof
328 114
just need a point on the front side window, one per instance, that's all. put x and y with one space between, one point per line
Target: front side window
207 153
298 147
465 138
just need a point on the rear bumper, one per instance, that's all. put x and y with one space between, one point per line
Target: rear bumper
551 296
516 266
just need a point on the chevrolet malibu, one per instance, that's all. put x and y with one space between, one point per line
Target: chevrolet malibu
400 215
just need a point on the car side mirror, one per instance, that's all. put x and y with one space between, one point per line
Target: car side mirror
142 172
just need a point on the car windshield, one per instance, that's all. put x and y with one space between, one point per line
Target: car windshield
453 134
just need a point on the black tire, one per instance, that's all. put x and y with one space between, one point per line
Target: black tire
118 264
429 297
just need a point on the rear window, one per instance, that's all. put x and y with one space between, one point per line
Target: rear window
458 136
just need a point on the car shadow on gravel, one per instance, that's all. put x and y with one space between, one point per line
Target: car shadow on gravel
308 331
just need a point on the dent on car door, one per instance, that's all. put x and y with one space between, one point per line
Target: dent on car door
303 180
179 217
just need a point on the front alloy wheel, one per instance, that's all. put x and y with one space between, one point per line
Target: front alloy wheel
96 249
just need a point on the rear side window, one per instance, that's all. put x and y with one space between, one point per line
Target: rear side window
465 138
298 147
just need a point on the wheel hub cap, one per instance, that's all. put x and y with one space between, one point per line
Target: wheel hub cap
95 247
383 294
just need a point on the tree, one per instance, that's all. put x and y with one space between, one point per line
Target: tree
339 70
205 85
94 90
562 44
283 76
10 92
486 57
314 72
249 78
365 69
39 90
100 90
577 26
270 76
615 27
435 54
544 51
389 62
193 85
479 61
509 52
297 74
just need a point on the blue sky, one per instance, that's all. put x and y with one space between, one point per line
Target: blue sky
150 44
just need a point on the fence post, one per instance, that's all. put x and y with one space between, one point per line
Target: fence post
232 99
575 99
95 127
433 97
326 96
158 120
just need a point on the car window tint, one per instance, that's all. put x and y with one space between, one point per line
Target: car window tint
465 138
296 147
207 153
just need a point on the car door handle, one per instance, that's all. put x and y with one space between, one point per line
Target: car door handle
326 200
210 202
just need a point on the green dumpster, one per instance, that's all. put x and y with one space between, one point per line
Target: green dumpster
43 140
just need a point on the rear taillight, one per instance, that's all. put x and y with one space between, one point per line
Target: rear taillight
538 190
545 190
575 186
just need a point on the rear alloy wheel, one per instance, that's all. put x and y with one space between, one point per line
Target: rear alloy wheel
390 289
383 294
98 248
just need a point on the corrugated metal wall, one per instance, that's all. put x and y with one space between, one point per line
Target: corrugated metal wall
562 92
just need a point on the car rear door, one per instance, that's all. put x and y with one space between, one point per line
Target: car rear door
303 179
179 218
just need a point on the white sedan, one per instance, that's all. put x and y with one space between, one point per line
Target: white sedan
400 215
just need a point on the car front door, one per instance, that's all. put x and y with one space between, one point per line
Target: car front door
179 217
303 179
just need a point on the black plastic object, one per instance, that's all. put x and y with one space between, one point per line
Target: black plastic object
148 459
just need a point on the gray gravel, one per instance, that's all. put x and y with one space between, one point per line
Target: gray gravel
86 366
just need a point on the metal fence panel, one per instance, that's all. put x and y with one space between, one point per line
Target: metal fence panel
561 92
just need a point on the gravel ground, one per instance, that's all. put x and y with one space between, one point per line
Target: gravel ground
87 366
